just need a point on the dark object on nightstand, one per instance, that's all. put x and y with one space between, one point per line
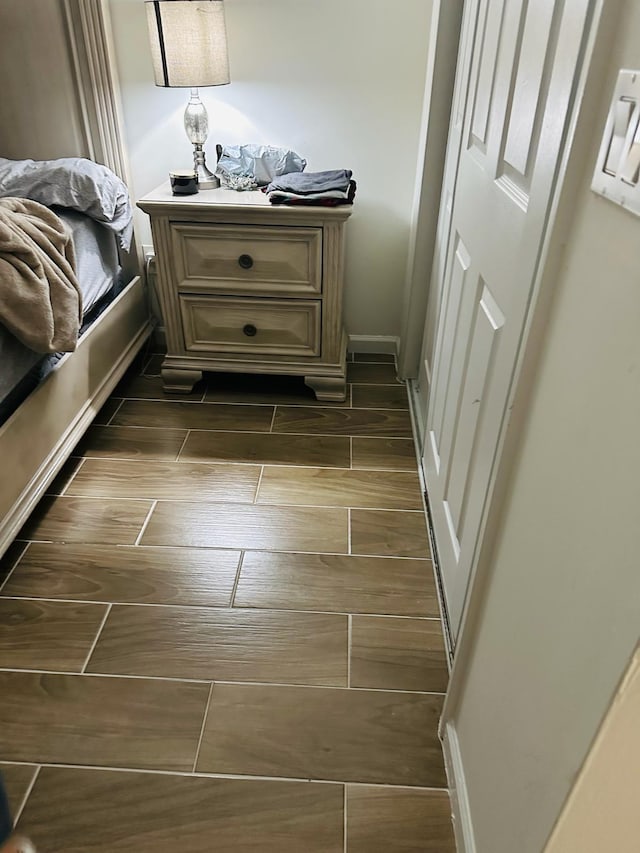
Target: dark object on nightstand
184 182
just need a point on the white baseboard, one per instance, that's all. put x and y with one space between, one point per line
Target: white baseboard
462 824
374 343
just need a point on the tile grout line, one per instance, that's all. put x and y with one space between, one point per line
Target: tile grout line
145 522
200 774
206 548
353 505
27 794
200 501
241 463
351 468
258 484
21 554
253 403
207 680
367 437
179 452
161 678
227 549
75 474
273 419
281 432
150 356
244 464
280 505
329 687
117 409
95 642
95 455
349 554
327 405
236 580
221 608
164 431
397 384
251 432
344 817
204 723
344 410
247 463
349 647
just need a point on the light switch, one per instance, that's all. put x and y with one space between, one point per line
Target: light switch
631 166
617 172
623 111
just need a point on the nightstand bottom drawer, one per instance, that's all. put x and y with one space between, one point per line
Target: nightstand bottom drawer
257 326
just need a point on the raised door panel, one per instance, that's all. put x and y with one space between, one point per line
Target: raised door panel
490 26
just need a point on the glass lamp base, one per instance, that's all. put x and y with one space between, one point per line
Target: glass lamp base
196 125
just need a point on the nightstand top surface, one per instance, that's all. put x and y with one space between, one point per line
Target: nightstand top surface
232 200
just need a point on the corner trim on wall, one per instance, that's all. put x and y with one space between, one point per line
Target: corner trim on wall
374 343
460 809
446 22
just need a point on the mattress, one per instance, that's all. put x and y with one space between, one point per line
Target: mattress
98 272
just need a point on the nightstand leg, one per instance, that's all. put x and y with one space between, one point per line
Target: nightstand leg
330 388
180 381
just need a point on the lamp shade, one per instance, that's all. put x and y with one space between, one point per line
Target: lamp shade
188 42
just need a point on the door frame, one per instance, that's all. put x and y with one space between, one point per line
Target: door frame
446 23
574 165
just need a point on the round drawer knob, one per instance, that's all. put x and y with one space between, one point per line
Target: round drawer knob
250 330
246 262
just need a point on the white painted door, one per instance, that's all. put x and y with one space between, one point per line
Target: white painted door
524 62
454 143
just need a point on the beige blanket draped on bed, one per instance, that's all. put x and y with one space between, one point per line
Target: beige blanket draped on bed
40 299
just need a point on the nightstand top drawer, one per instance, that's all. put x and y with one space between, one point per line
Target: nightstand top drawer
268 327
249 259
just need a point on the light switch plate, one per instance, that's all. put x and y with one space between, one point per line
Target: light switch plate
617 172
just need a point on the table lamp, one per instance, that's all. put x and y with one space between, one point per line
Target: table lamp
189 49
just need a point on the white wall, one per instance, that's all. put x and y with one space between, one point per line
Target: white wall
339 81
561 615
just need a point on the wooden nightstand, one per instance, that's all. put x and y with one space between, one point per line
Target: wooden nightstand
250 287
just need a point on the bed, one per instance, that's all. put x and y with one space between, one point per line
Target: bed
98 272
67 44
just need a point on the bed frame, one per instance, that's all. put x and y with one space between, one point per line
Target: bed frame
58 57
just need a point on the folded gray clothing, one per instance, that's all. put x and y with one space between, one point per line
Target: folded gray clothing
280 194
304 183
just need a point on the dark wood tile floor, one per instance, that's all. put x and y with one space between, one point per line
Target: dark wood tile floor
219 630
